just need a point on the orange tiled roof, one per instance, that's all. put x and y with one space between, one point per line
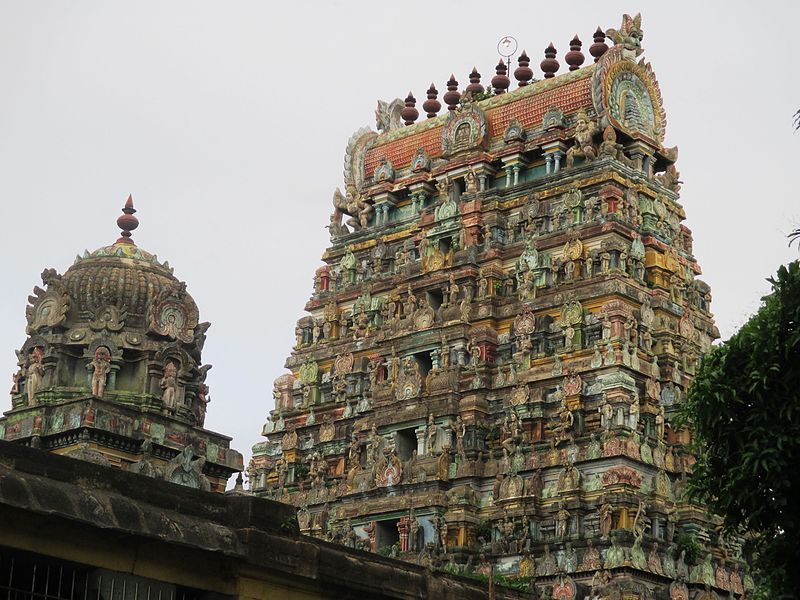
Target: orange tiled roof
401 151
529 109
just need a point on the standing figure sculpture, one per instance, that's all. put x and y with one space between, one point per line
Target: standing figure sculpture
606 519
101 366
461 431
430 436
202 404
33 375
169 383
562 523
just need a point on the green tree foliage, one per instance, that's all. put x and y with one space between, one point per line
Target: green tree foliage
744 411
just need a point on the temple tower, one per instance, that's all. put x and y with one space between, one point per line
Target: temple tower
111 370
488 372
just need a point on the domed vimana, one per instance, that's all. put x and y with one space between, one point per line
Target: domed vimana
111 371
493 356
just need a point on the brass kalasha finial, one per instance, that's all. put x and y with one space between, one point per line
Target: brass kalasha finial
127 222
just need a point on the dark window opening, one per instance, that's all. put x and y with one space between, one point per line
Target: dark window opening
405 442
386 534
424 361
434 298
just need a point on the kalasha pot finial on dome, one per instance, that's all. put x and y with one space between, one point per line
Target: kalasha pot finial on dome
127 222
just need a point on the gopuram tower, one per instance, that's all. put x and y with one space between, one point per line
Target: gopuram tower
111 369
488 374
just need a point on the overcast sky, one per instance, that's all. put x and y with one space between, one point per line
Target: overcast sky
228 121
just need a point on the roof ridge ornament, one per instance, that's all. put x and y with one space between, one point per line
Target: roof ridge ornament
127 222
629 35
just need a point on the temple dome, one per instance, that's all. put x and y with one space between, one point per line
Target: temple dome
121 275
112 370
115 287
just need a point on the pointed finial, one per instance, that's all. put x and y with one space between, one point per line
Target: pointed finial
431 106
500 81
574 58
549 65
410 113
599 47
127 222
523 73
451 96
474 86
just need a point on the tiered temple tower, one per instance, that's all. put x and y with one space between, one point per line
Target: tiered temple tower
111 370
488 374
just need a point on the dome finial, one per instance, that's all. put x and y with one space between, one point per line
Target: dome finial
127 222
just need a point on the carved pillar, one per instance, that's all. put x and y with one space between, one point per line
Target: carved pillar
370 529
509 175
512 165
648 166
610 197
402 529
558 156
553 153
111 384
420 433
383 201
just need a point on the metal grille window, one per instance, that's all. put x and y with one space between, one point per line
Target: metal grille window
28 576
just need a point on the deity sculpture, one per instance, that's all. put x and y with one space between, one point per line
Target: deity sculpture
452 290
565 421
527 565
169 385
512 434
33 375
659 421
633 421
591 557
548 565
637 554
101 365
353 205
584 144
201 405
654 560
461 430
562 523
606 519
569 563
431 433
615 556
606 414
610 147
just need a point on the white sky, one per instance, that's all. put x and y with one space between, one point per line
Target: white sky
227 121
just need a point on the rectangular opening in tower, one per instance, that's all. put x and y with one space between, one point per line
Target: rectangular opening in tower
424 361
386 534
434 298
405 442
